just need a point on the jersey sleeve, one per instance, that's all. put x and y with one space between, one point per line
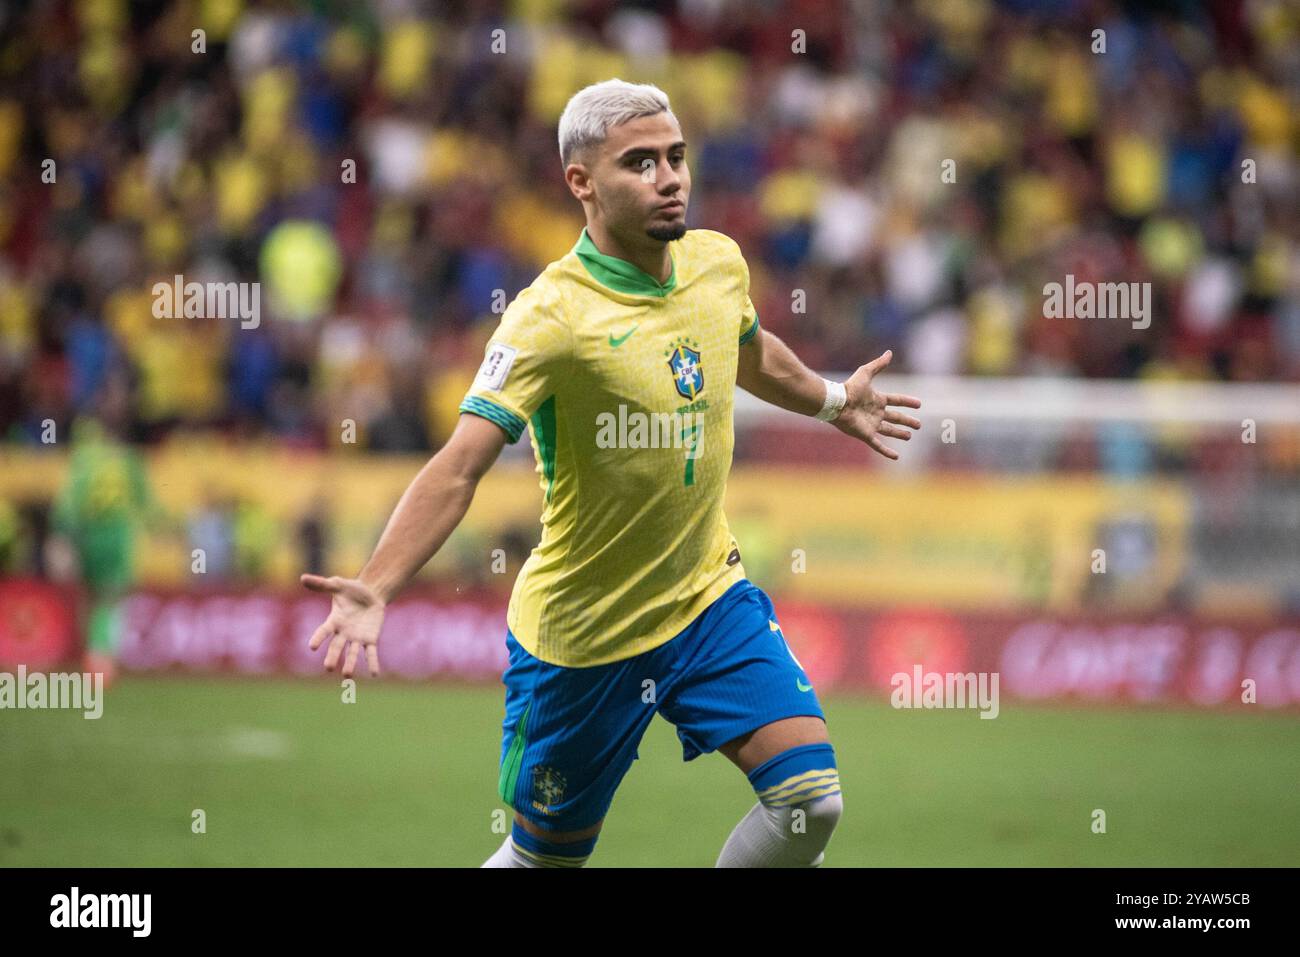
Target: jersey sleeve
523 363
748 321
748 314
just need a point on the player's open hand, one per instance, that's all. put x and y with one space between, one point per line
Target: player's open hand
867 414
353 623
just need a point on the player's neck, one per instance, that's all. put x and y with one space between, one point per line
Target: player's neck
652 259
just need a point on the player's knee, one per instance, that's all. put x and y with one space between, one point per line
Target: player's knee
820 817
801 788
807 829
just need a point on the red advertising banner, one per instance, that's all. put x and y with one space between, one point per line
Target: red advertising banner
1169 660
38 626
265 633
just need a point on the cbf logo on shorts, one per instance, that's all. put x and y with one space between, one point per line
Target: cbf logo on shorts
684 361
548 788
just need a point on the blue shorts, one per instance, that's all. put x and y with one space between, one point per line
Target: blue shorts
570 734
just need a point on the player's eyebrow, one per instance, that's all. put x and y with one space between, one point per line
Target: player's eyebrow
648 150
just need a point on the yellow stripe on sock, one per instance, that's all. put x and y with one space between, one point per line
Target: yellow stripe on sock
820 791
776 790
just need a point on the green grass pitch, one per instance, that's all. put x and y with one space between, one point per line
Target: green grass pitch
288 775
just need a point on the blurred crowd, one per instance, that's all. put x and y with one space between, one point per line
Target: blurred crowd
899 175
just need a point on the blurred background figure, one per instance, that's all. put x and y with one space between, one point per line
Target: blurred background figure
99 511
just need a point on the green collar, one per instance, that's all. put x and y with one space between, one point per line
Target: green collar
621 275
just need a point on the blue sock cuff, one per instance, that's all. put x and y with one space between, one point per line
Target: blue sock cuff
530 845
790 775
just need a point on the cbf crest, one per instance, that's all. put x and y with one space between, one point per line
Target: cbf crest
684 361
548 787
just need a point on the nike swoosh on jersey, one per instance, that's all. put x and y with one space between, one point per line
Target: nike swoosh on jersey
623 338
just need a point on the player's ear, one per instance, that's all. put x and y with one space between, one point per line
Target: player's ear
578 178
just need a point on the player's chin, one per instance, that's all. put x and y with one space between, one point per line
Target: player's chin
666 231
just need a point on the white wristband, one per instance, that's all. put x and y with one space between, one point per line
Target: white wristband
836 396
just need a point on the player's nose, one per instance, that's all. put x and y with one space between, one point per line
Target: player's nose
668 181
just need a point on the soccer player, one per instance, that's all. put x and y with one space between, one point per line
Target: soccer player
635 600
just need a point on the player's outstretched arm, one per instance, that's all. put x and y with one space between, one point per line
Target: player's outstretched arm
768 369
427 513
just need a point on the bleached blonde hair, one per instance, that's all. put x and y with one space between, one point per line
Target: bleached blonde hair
591 112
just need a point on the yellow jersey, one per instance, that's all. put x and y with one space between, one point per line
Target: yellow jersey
626 385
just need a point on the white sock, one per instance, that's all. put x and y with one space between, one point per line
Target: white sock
768 837
507 856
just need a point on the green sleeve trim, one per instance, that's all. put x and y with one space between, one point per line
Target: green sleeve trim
753 331
544 430
511 424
